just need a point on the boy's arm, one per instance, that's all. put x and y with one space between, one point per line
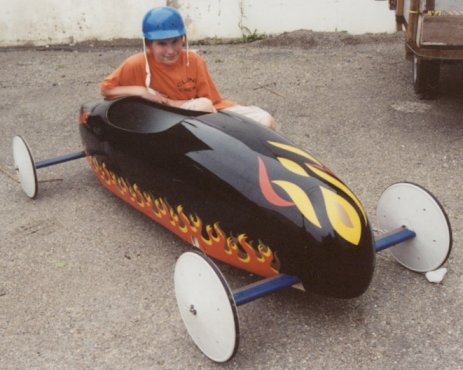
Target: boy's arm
141 91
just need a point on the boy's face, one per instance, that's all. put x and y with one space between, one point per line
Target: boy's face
167 51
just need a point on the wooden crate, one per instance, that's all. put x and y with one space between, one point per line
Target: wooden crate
442 31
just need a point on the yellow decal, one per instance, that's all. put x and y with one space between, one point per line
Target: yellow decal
294 150
340 186
300 199
293 166
342 211
342 216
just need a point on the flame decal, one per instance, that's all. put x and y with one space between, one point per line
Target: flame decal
300 198
266 188
343 217
295 150
293 167
211 239
340 186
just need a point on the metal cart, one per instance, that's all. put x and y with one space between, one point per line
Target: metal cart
434 35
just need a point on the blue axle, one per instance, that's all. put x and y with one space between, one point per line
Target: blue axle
270 285
262 288
395 237
58 160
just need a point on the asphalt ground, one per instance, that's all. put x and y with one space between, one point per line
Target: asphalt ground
86 282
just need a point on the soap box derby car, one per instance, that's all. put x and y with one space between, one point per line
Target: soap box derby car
243 194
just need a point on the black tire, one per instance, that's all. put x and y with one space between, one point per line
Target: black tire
425 77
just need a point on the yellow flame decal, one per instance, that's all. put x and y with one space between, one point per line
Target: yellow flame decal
294 150
264 250
300 199
293 167
340 186
343 217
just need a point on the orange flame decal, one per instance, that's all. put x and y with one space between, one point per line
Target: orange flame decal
211 239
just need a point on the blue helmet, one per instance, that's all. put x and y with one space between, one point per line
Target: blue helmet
163 23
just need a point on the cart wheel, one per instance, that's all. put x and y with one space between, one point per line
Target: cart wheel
207 306
409 205
24 164
425 77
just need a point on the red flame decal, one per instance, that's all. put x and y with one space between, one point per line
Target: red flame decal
266 188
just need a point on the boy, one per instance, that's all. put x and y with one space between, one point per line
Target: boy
166 73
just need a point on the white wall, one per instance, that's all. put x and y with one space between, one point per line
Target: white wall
42 22
354 16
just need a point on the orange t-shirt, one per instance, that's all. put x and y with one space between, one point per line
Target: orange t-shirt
177 81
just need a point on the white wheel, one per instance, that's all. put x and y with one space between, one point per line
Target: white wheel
207 306
25 167
409 205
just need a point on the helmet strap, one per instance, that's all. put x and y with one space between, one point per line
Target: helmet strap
187 52
147 66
